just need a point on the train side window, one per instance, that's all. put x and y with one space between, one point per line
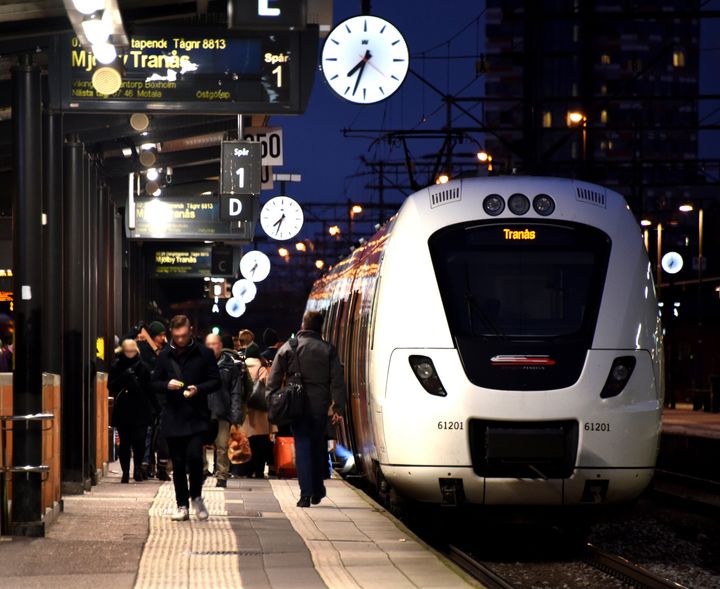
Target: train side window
373 311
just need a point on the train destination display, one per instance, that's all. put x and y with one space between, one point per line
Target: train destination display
195 71
187 262
183 220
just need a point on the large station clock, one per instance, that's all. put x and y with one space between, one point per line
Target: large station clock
365 59
281 218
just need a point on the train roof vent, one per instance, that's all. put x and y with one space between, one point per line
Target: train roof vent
591 196
443 196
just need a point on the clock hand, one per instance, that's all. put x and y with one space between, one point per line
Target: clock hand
360 63
252 272
357 82
279 221
376 68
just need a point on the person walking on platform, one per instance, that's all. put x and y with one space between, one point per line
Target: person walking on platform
256 425
272 345
186 373
322 377
134 406
151 341
226 403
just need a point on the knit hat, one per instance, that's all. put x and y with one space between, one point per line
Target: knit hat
252 351
270 337
156 328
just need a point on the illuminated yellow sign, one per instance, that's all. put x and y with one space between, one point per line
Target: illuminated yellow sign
523 234
5 296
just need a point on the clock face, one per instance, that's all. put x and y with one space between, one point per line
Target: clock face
672 262
234 307
365 59
281 218
255 266
244 290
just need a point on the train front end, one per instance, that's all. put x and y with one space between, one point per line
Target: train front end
523 346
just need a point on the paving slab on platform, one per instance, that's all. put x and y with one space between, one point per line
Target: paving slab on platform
120 536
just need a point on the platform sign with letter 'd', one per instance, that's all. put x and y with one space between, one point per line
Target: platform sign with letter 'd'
240 171
238 207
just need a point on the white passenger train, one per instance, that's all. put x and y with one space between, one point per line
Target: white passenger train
502 345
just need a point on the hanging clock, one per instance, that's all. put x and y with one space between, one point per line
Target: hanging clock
255 266
365 59
281 218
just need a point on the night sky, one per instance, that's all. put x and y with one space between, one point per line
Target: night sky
314 144
316 148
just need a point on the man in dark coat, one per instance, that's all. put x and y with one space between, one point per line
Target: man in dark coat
322 377
186 373
226 403
134 406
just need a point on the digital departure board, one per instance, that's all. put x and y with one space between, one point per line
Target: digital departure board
185 220
182 262
194 70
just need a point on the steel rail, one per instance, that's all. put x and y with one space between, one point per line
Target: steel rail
626 571
479 571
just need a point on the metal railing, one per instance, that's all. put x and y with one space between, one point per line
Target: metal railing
7 425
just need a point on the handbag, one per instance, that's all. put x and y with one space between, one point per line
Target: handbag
287 404
257 399
239 451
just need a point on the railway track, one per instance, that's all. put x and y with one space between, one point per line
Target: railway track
630 574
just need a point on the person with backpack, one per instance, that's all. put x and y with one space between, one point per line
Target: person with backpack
186 373
324 387
227 402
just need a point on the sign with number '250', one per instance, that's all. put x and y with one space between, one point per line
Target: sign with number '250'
240 167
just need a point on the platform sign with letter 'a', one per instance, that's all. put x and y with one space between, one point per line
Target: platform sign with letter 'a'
240 168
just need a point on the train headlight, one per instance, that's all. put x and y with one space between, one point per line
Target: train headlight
425 372
519 204
493 205
620 373
543 205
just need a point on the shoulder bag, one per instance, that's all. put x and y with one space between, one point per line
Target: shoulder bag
256 399
287 404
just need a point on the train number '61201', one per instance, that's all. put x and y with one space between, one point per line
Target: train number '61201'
597 426
450 425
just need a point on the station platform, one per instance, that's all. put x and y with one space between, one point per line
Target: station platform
691 423
120 536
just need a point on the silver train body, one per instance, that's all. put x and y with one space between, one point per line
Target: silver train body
502 346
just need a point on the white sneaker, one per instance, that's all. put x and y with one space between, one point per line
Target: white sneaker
199 507
181 514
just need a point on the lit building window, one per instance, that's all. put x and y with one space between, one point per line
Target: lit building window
678 58
603 117
605 59
547 119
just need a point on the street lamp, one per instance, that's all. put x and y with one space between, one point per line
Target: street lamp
442 179
334 231
356 210
578 118
319 264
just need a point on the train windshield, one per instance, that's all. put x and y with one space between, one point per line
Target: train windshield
511 280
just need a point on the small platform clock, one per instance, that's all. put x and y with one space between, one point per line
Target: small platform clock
365 59
281 218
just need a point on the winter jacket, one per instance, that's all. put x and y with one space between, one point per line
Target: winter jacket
228 401
183 416
321 372
256 423
134 401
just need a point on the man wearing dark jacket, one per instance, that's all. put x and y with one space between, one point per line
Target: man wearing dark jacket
186 373
322 377
226 403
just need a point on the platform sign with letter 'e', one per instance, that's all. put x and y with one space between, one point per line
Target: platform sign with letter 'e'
240 171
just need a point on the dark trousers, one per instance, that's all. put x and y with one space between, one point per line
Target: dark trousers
311 453
132 438
186 453
261 448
